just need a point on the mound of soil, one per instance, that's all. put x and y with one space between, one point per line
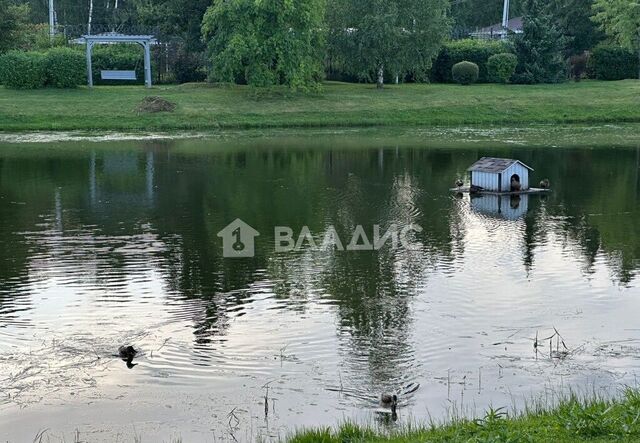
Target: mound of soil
153 104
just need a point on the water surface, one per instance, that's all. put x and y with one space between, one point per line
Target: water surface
111 243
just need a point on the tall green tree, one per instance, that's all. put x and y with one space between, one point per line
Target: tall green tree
266 42
175 18
394 36
13 20
574 19
620 19
541 45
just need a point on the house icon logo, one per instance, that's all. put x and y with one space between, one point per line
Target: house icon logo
238 240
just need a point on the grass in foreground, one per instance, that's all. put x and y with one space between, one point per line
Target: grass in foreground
572 421
206 107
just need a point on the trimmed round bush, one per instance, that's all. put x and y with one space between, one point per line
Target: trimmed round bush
22 70
501 67
608 62
465 73
66 68
472 50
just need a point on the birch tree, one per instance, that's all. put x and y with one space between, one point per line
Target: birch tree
374 37
89 22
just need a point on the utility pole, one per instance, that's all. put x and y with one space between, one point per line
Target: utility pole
505 15
52 20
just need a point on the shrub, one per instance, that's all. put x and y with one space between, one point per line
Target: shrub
189 67
500 67
476 51
523 78
36 37
22 70
65 68
578 65
465 72
608 62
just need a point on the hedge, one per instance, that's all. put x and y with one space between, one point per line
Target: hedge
22 70
501 67
65 68
117 57
189 67
58 67
475 51
608 62
465 73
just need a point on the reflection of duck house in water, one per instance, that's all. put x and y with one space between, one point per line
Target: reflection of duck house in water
508 207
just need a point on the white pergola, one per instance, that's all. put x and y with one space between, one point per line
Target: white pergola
110 38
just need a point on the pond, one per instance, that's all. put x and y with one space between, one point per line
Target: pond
113 243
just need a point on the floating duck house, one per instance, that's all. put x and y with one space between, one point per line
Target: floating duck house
498 174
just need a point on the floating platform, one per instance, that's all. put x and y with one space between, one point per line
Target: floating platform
467 190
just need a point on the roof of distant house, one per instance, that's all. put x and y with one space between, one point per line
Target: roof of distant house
514 24
495 165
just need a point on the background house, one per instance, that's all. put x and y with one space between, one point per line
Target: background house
498 31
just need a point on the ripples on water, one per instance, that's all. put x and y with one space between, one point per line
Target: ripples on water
118 245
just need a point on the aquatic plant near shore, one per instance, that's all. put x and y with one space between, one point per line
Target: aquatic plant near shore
574 419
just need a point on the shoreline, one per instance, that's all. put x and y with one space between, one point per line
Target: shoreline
572 419
623 135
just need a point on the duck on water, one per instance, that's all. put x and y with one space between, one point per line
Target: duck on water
390 401
127 354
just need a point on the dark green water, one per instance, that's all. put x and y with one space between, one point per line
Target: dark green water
103 244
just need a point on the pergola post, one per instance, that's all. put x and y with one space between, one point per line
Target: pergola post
147 64
89 67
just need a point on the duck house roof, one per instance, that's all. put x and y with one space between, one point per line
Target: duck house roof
495 165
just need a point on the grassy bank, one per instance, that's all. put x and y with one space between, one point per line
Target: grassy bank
572 421
204 107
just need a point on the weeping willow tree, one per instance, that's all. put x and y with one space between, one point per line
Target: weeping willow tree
266 42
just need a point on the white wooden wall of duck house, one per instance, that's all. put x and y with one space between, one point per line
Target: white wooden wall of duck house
486 180
501 206
515 169
500 180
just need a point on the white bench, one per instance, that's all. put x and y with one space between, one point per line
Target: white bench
118 75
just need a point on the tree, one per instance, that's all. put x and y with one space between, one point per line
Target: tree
13 20
266 42
620 19
540 46
175 18
394 36
574 19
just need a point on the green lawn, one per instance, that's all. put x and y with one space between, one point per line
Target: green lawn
204 107
572 421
